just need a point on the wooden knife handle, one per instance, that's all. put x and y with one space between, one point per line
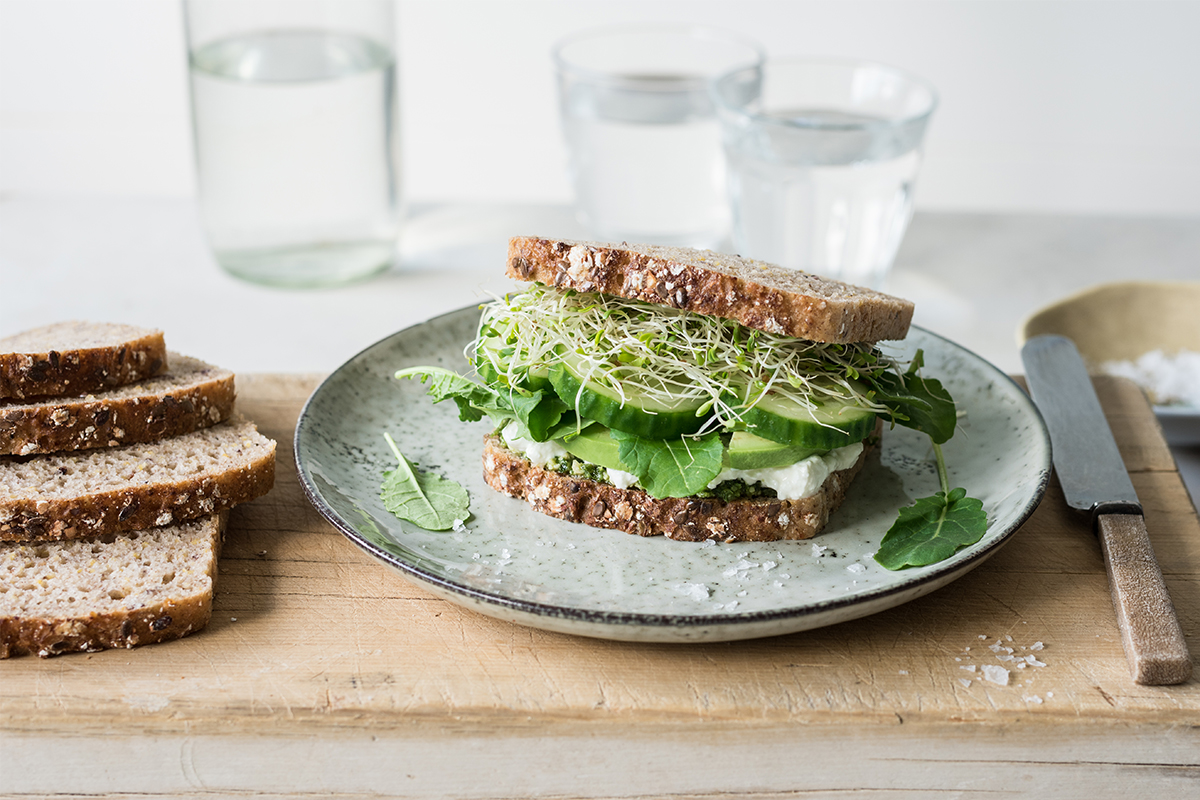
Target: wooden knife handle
1150 632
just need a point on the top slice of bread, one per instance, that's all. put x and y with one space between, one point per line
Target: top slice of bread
756 294
113 489
74 358
188 396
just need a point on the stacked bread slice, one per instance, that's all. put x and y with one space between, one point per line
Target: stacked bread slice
118 461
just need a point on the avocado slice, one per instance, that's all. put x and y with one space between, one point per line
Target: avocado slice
747 451
595 446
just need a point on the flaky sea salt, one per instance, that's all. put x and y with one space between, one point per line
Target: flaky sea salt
694 591
856 568
739 569
1168 379
995 674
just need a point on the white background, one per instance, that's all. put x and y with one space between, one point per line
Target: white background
1062 107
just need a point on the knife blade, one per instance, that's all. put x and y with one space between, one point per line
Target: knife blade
1094 480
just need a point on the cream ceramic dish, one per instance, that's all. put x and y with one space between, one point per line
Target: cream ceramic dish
1123 321
517 565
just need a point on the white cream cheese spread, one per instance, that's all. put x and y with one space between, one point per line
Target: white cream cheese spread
800 479
539 453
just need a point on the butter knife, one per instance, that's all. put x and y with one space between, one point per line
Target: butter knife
1094 480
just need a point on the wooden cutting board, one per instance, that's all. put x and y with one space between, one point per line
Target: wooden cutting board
324 673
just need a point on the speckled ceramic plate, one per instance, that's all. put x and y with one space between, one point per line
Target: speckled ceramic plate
518 565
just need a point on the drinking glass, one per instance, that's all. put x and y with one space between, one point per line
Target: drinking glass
641 131
294 112
823 157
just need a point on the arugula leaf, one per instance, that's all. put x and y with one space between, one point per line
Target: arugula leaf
671 467
473 400
933 528
538 412
922 404
428 500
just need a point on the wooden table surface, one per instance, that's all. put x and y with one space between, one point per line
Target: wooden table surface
323 673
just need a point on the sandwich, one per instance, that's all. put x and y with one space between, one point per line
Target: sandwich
696 395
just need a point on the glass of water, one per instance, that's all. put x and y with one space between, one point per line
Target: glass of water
823 157
294 113
641 131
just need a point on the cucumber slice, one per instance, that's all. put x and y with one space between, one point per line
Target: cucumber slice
747 451
825 426
637 414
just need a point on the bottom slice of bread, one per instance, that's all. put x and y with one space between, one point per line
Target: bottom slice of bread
120 590
692 519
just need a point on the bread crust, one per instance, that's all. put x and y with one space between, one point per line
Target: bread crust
29 370
689 519
132 505
112 418
756 294
88 630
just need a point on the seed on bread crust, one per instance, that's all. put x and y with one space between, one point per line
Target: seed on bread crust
631 510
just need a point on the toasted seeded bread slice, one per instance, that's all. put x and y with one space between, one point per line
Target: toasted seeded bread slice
690 519
112 489
74 358
119 591
189 396
755 293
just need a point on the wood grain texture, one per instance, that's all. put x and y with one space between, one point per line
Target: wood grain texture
322 672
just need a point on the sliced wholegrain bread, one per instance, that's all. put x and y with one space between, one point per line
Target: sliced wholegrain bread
690 519
113 489
188 396
121 590
74 358
756 294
